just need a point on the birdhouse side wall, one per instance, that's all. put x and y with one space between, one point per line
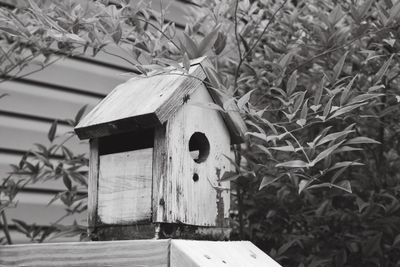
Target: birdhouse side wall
187 191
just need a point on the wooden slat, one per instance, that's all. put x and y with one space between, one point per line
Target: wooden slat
93 183
77 74
125 187
190 253
112 253
21 134
35 100
160 162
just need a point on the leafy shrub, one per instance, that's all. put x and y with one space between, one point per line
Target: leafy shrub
317 181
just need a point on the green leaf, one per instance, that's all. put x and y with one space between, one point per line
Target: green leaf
327 108
79 115
186 62
327 152
285 60
344 185
363 98
261 136
345 94
344 164
284 148
67 182
292 83
364 8
319 91
361 204
303 185
345 110
268 180
190 46
303 114
332 137
339 173
293 164
52 132
244 99
337 69
230 176
220 43
208 41
393 13
382 71
361 140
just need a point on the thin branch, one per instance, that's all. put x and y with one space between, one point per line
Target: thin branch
163 33
236 31
120 57
265 28
241 58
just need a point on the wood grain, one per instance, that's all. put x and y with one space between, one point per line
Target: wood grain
159 173
124 190
184 200
190 253
111 253
92 183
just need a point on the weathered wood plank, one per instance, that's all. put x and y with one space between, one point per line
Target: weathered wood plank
110 253
125 187
190 253
201 200
160 161
93 183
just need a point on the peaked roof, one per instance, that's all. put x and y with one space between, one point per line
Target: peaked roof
144 102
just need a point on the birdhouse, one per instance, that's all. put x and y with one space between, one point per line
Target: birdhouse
158 150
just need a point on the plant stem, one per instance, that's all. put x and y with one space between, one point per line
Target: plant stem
6 230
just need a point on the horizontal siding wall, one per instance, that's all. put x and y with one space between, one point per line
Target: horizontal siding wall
58 92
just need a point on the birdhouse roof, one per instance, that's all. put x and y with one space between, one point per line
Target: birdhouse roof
149 101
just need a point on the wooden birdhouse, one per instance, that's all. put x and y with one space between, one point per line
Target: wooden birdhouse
157 154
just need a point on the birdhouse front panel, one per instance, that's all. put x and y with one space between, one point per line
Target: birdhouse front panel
125 181
125 178
197 144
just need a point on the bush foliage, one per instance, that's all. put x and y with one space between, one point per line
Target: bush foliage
317 181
